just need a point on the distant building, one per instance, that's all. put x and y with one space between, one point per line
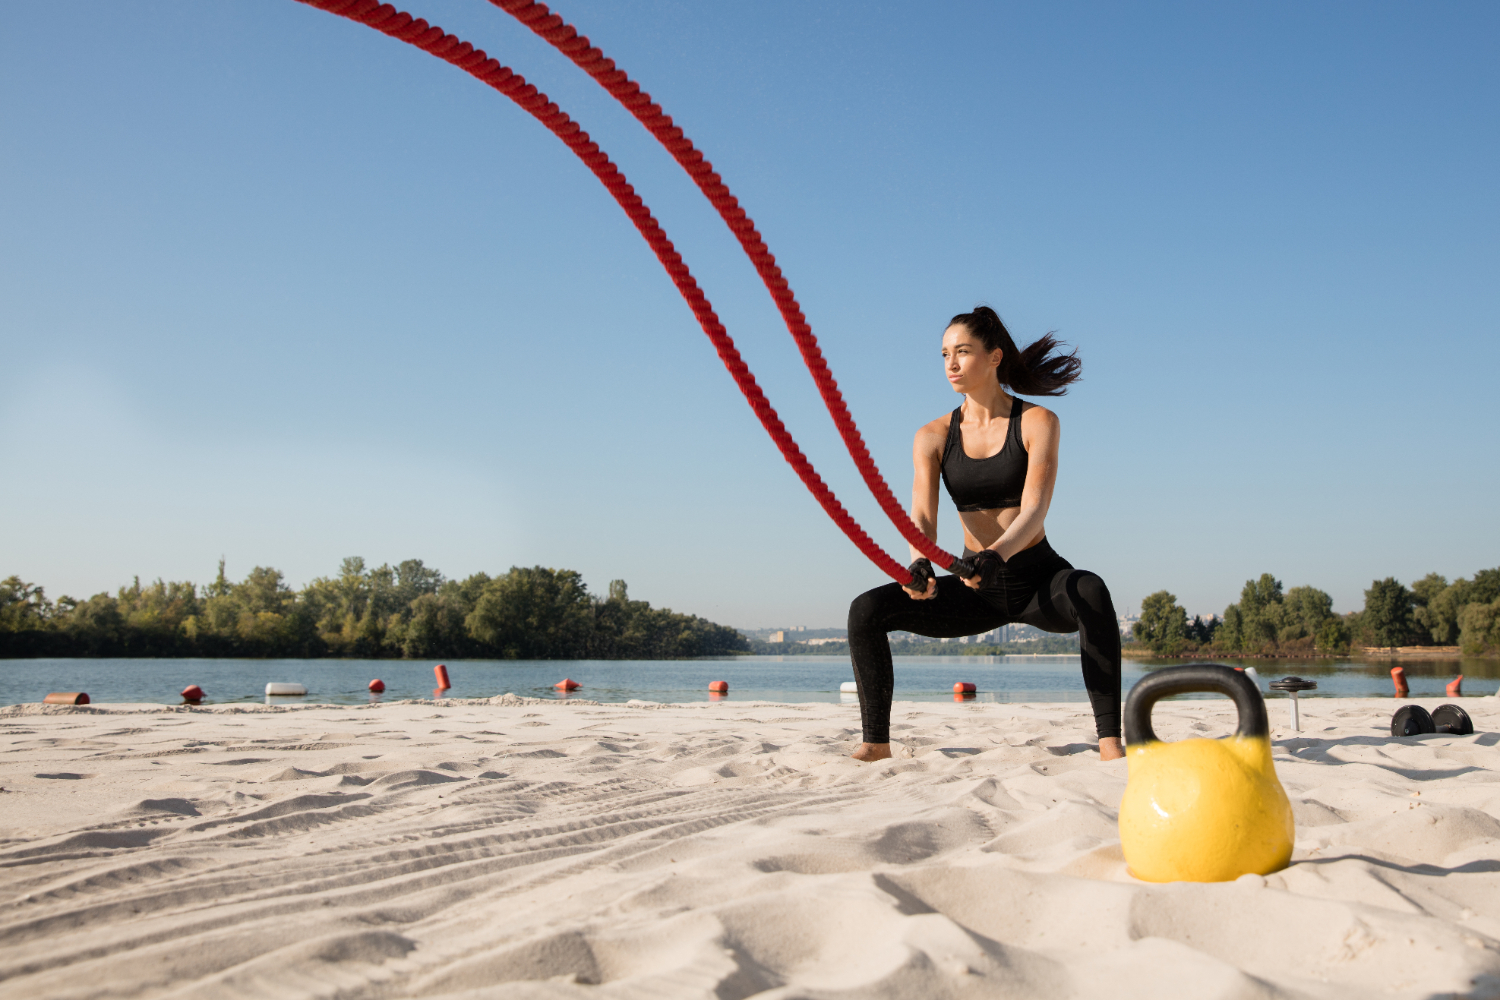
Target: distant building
996 636
776 637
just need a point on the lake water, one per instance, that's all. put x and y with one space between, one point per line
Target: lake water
751 678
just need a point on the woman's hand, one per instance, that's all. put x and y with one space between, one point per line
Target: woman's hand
986 564
923 586
922 595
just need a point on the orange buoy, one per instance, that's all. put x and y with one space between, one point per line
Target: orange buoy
66 698
192 694
722 687
1455 687
1398 678
567 684
377 686
964 687
441 673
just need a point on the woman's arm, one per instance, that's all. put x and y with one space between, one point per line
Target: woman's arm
1040 432
926 464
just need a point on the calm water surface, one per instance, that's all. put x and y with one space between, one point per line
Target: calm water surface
751 678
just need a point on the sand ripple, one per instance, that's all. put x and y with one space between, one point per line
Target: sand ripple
510 848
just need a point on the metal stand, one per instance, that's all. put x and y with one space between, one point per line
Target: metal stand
1291 685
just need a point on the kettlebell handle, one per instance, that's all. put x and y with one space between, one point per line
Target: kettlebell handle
1192 678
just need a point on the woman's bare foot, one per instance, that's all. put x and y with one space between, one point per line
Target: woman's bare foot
1110 748
872 751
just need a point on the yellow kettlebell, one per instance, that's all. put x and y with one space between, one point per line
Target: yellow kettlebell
1202 810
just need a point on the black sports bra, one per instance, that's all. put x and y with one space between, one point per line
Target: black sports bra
985 483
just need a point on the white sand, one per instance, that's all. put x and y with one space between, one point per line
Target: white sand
514 849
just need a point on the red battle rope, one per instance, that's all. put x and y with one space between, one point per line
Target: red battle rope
433 40
566 39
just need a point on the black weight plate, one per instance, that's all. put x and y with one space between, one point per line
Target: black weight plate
1412 720
1452 719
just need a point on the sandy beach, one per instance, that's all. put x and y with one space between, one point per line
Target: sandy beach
517 848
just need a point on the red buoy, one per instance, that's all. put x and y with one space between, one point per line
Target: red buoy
964 687
567 684
720 686
192 694
441 673
1398 678
66 698
1455 687
377 686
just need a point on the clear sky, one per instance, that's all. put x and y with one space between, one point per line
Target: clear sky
278 288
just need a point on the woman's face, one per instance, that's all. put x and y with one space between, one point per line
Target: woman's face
966 362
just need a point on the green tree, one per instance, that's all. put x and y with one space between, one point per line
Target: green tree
1259 594
1163 624
221 585
353 587
410 610
1440 616
1230 636
1388 612
413 580
1332 635
534 613
1430 613
1486 587
1307 608
96 627
1479 627
1203 630
264 590
23 606
154 615
369 635
436 627
626 629
1262 613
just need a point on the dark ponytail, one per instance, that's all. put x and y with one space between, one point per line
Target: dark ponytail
1036 371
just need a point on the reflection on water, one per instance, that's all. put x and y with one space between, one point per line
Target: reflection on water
750 678
1365 677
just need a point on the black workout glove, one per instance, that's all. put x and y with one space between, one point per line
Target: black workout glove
921 572
985 564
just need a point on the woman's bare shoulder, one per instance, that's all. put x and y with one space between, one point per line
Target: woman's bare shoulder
932 434
1038 416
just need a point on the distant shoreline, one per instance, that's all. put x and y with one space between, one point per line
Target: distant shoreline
1364 653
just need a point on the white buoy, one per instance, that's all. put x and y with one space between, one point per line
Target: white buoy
848 687
285 687
1250 673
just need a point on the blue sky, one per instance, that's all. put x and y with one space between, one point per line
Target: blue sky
278 288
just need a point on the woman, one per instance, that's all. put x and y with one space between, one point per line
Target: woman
997 455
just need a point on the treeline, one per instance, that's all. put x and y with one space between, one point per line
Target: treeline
1301 621
408 611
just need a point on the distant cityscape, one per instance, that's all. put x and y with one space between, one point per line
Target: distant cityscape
1004 634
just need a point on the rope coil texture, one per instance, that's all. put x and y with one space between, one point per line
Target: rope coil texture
587 57
435 41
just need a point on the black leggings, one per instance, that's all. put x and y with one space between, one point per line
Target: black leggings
1037 587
